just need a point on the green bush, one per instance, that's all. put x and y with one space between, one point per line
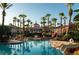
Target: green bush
74 35
5 32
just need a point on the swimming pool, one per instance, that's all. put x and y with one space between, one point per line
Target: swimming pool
29 48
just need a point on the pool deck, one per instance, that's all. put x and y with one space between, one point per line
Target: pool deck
63 45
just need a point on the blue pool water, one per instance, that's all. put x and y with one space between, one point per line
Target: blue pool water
29 48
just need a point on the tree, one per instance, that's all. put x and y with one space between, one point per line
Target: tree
18 22
31 24
70 12
64 18
76 21
23 18
28 21
54 20
4 6
48 16
14 20
61 17
43 21
21 23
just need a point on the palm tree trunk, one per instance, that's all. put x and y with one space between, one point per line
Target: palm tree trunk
3 17
20 25
61 25
23 26
55 24
69 24
64 24
48 22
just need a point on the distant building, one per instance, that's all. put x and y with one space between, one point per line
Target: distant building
36 28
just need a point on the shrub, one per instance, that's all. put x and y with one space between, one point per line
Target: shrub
5 32
74 35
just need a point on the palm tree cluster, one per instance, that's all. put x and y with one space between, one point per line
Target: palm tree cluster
20 21
53 21
46 20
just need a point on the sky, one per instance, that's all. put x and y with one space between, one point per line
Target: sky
35 11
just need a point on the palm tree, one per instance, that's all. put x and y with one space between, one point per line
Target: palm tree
77 10
23 17
14 20
4 6
43 21
64 18
58 28
61 17
54 21
31 24
76 21
18 21
48 16
28 21
70 12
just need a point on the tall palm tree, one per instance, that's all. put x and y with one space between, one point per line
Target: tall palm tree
43 21
76 21
64 18
4 6
28 21
14 20
48 16
61 17
23 17
70 12
31 24
54 20
18 22
21 23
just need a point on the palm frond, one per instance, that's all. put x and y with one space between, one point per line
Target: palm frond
8 6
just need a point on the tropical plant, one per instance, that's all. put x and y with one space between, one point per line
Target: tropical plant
54 20
31 24
14 20
76 21
61 17
23 18
28 21
4 6
48 16
64 18
43 21
70 12
18 22
77 10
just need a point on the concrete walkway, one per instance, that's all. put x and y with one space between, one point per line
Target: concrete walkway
60 44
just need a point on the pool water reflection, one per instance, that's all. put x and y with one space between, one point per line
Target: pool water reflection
29 48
